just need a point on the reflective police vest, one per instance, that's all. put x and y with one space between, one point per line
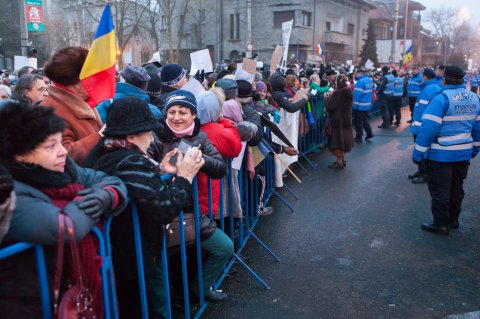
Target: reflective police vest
474 81
454 140
389 88
363 93
398 86
415 85
430 89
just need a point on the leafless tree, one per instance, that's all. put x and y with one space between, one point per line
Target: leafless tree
174 11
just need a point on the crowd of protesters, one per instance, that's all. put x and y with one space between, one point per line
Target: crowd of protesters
60 153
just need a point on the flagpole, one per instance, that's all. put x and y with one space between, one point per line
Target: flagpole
405 29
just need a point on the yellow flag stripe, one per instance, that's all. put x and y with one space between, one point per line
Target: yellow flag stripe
102 56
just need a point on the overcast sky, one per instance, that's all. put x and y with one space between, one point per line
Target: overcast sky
467 5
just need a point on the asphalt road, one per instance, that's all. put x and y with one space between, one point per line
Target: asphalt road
353 248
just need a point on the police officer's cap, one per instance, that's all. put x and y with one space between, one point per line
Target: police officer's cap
429 73
453 72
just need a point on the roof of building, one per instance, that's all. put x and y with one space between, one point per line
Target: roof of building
381 12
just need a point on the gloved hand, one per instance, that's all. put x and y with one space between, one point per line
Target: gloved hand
95 201
199 76
313 91
6 185
276 117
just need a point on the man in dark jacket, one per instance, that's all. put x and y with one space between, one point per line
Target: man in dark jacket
381 82
278 87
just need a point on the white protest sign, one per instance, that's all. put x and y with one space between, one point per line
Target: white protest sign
286 31
194 87
21 61
201 60
156 57
237 161
369 64
259 64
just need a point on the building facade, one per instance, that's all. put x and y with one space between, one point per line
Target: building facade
226 27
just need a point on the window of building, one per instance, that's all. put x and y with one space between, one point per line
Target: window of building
235 26
306 19
328 26
164 22
280 17
350 28
145 56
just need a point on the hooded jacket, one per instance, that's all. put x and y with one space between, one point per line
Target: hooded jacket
124 90
278 86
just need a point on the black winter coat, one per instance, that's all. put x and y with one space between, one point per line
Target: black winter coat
278 86
251 115
214 167
158 203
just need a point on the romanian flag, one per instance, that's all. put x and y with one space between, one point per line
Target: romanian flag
98 72
408 56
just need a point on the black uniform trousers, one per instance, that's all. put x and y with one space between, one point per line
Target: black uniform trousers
411 105
383 103
397 109
445 183
361 123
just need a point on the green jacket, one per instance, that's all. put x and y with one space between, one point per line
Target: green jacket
319 107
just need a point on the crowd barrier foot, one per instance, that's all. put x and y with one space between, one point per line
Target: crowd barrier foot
304 156
254 274
280 197
263 245
290 191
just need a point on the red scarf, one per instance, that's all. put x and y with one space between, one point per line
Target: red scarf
87 247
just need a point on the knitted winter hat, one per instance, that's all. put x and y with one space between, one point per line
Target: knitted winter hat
260 85
385 69
244 89
183 98
129 116
136 76
154 87
172 74
24 127
330 72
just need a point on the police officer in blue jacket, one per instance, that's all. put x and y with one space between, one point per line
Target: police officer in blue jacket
398 94
439 72
449 137
429 90
414 88
362 103
389 91
474 82
381 82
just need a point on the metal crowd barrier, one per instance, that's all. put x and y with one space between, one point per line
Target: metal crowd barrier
106 273
240 230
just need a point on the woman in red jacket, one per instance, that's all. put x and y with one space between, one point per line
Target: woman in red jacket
223 134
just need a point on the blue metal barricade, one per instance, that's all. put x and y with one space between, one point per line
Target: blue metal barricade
13 249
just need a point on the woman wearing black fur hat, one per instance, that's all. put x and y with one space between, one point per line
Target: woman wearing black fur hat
47 182
123 153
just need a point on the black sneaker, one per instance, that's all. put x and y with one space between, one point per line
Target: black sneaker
216 296
368 137
454 224
420 179
434 228
358 140
412 176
